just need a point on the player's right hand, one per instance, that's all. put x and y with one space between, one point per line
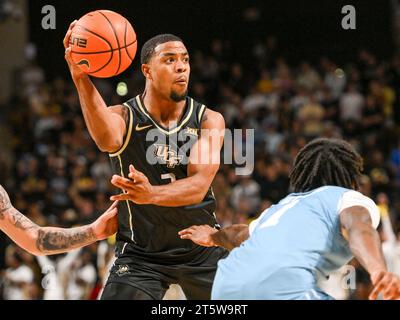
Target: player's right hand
107 224
387 284
200 235
76 72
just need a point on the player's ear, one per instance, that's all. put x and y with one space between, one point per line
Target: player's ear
146 71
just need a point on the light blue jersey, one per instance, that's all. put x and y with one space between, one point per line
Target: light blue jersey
288 245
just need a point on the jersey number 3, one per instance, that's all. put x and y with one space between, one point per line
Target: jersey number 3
168 176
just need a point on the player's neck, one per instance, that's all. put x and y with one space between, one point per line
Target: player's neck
163 110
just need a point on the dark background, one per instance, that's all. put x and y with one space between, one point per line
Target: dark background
305 30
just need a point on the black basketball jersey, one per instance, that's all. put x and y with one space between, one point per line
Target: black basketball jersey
151 231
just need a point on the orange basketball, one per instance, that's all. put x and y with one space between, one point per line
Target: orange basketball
103 43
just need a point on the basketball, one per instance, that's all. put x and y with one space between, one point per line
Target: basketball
103 43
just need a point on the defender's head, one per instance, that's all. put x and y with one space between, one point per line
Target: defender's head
324 162
165 64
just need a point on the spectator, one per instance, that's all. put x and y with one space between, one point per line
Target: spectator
18 276
351 104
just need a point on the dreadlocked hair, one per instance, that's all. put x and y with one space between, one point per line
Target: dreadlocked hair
324 162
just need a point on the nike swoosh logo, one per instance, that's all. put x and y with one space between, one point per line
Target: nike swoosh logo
142 128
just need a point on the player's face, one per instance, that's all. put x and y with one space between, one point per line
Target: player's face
170 70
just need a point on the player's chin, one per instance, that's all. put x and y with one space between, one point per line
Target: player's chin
178 95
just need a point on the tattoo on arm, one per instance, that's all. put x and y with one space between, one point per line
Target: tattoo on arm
15 217
20 221
5 203
48 240
61 239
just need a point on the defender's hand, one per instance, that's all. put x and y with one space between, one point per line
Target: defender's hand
200 235
107 224
76 72
137 189
386 283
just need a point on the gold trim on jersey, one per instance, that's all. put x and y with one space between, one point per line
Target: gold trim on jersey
202 109
127 203
128 136
157 125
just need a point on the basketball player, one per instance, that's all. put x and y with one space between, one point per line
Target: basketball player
50 240
164 197
315 230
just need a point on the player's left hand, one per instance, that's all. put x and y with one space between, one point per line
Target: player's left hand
386 283
200 235
137 188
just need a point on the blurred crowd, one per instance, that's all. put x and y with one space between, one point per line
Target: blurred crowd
56 175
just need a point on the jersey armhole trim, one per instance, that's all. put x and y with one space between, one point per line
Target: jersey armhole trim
360 200
200 115
128 135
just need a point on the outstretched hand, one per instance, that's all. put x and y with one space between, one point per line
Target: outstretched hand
137 188
386 283
107 224
201 235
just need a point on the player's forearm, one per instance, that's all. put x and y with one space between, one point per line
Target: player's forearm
43 240
100 123
51 240
183 192
231 237
366 247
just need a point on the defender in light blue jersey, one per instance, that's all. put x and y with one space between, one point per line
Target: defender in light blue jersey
288 245
315 230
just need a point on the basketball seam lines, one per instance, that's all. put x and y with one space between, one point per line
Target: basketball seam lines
105 51
116 37
127 52
109 44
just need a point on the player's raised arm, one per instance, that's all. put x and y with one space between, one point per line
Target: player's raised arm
203 165
107 126
50 240
206 236
364 242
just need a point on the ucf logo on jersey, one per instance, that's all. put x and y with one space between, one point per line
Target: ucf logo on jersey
167 155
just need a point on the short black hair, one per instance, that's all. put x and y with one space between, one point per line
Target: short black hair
150 45
324 162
